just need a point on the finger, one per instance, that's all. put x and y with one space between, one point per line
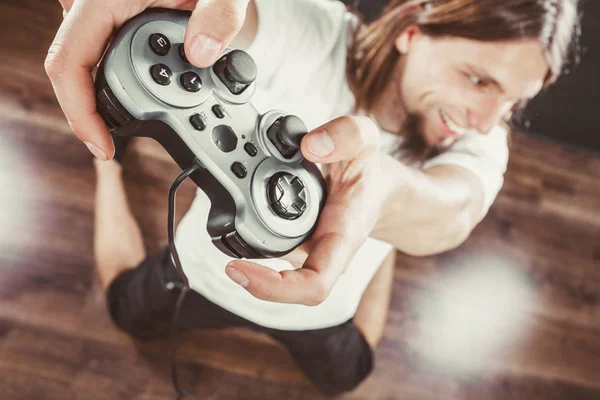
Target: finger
212 26
296 257
77 48
309 285
66 4
343 138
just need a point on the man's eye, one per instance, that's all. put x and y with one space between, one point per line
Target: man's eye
475 80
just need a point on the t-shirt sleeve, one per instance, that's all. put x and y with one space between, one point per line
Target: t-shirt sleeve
294 35
486 156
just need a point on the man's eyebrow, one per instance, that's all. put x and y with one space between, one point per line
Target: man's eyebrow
483 74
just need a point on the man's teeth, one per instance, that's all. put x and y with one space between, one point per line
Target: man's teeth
453 127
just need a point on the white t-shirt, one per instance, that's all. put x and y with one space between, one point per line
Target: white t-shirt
300 51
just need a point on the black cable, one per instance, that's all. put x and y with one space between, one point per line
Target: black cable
186 285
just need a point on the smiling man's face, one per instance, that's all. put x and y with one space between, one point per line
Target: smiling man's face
444 87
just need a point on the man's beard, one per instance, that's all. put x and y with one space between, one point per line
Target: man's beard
414 147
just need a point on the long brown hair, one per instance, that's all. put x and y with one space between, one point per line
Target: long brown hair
373 55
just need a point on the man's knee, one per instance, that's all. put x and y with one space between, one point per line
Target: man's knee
346 378
335 360
130 311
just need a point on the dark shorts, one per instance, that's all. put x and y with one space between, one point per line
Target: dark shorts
141 301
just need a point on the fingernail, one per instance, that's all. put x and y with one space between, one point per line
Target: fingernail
99 154
204 49
320 143
237 276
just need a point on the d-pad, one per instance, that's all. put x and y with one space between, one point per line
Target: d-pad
286 195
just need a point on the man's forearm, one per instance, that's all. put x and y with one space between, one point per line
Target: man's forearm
428 212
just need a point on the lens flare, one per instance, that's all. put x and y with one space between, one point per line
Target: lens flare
473 317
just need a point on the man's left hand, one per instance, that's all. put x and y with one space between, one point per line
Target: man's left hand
348 148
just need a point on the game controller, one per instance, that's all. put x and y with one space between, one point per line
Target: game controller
265 197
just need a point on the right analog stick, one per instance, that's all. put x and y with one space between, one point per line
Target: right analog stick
286 195
286 133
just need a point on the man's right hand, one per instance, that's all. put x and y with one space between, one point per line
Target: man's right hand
85 33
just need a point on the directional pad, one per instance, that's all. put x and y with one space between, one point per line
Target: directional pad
287 195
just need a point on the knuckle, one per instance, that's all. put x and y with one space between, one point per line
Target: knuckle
268 294
313 302
320 294
55 62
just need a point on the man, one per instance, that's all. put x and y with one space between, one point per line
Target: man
429 85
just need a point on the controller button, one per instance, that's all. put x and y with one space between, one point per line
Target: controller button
109 108
182 53
239 170
239 246
233 245
190 81
237 70
159 44
240 67
250 149
225 138
161 74
218 111
197 122
286 133
287 195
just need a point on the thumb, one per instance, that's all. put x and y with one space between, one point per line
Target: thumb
212 26
343 138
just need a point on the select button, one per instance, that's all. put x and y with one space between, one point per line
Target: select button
250 149
218 111
239 170
197 122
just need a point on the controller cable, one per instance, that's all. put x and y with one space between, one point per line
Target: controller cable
185 287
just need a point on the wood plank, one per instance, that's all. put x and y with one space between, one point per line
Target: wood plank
57 341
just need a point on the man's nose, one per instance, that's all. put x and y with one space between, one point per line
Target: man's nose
487 113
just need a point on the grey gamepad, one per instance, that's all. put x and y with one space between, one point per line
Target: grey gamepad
265 197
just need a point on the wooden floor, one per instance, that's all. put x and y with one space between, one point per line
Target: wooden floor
514 313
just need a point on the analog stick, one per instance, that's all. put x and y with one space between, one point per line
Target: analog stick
237 70
286 133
